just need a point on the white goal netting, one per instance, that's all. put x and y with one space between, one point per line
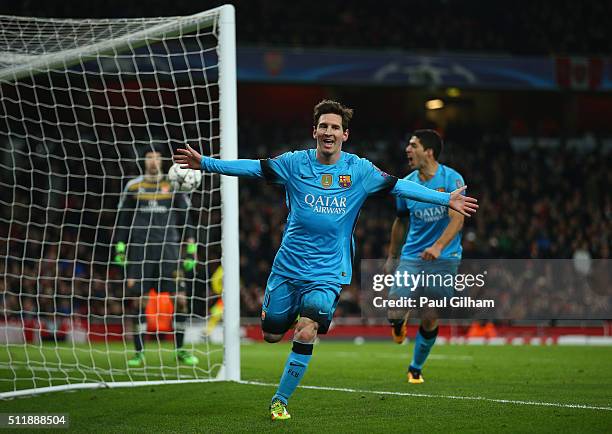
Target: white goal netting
84 106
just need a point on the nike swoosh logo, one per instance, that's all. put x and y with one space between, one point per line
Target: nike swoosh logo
323 313
295 364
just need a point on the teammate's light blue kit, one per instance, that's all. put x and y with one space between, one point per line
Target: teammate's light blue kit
316 253
427 223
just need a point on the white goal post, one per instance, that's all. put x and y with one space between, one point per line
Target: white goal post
81 102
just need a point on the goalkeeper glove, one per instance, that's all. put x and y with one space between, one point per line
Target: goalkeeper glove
120 249
189 262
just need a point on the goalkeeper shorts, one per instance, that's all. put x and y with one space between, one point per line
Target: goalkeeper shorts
153 265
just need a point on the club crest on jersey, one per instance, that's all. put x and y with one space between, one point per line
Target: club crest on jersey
345 181
326 180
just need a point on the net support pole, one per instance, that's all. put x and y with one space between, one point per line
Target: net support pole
229 194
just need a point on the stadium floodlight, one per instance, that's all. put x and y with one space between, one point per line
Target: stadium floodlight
80 103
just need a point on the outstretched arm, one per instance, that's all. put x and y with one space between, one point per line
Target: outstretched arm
376 180
462 204
191 159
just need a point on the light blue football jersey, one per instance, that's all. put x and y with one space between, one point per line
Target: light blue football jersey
427 221
324 203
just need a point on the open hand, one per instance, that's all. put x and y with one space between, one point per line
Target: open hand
462 204
188 158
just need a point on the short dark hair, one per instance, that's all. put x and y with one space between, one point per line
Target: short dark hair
153 147
430 139
328 106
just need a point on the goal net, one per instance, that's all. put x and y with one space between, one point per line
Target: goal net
97 248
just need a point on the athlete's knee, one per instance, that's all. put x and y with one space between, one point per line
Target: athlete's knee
306 330
272 337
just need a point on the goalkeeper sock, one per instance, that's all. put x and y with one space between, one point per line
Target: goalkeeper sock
139 334
179 328
422 346
296 365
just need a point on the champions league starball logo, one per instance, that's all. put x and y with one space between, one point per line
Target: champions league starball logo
381 172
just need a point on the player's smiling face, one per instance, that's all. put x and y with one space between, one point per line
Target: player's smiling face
417 155
329 134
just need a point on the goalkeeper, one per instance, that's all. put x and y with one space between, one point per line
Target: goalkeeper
148 246
325 189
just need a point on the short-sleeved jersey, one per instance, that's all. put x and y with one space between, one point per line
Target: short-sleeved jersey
152 211
428 221
324 203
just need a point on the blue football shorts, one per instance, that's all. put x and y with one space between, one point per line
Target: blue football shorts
286 299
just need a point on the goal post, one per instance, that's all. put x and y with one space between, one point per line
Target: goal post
229 195
81 102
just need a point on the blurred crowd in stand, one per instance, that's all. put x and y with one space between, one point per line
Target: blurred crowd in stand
533 27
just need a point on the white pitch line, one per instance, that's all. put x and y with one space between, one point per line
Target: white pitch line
400 356
425 395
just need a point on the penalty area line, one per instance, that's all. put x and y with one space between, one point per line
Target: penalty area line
426 395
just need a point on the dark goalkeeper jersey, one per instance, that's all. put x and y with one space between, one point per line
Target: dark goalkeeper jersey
152 212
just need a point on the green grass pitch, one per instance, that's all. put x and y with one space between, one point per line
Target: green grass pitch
467 389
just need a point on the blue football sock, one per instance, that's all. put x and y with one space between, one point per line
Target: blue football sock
296 365
422 346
